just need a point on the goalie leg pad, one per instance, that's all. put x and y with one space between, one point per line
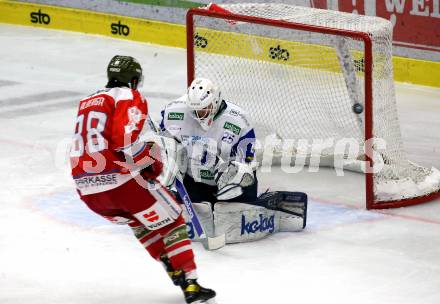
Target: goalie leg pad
291 208
296 205
290 223
242 222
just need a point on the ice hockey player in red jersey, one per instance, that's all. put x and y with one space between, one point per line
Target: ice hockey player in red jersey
115 172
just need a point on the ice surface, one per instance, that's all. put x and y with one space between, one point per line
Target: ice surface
54 250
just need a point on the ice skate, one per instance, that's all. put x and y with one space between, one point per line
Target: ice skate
195 294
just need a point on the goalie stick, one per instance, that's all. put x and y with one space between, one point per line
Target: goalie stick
210 243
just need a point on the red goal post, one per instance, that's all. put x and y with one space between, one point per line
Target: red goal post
366 38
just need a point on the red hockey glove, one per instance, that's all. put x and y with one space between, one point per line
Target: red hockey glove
154 169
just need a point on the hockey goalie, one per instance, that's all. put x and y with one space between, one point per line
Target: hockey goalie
211 141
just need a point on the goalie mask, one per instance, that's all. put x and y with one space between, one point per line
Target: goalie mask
204 100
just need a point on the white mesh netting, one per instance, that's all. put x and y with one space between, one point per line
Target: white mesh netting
302 86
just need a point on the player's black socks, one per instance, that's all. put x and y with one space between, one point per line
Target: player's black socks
177 276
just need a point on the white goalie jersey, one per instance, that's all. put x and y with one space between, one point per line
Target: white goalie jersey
231 137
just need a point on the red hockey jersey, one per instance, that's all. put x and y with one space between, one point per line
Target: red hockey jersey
107 130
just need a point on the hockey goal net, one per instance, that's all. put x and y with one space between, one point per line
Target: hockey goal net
319 87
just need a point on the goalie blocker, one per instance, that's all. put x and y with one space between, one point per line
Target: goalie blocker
272 212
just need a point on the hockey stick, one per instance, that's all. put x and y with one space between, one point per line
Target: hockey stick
212 243
190 208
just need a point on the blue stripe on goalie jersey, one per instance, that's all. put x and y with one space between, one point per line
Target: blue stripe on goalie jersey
249 154
162 123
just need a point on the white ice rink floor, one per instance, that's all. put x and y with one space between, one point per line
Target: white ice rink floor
54 250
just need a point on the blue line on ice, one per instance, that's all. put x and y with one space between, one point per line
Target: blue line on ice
68 208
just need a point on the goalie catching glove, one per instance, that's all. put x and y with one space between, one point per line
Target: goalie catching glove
231 178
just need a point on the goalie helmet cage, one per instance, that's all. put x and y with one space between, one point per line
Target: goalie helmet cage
321 74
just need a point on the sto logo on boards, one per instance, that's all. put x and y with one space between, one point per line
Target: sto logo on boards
40 17
279 53
200 41
120 29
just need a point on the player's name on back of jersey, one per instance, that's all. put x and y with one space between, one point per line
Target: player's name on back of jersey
99 101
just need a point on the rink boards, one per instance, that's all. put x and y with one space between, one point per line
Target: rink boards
174 35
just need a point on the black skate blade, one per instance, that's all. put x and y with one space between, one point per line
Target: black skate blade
209 301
